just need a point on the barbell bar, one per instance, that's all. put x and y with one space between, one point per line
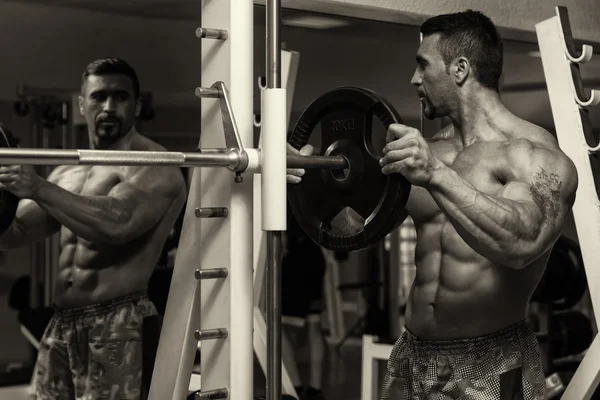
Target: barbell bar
203 158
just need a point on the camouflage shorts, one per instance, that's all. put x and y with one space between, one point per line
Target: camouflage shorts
502 366
93 352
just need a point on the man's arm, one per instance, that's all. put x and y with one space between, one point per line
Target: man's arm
31 224
524 219
129 210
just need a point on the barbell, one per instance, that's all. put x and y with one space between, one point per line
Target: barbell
344 202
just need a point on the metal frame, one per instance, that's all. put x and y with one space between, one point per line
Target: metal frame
390 13
334 303
226 301
209 243
568 101
289 69
372 354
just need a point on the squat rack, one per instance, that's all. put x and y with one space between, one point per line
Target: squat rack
220 303
569 104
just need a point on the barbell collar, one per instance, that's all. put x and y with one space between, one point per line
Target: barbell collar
238 160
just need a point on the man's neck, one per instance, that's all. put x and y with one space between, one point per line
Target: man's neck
122 143
476 115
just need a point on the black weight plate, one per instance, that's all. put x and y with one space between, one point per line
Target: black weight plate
8 201
352 209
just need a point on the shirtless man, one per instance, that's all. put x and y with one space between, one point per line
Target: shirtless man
113 223
489 199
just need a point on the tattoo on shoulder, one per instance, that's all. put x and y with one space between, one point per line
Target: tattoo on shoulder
545 190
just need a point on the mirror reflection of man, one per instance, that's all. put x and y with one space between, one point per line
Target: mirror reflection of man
113 222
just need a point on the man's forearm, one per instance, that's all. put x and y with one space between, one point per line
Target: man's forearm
94 218
499 229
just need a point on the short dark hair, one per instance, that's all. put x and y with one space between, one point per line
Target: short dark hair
112 65
473 35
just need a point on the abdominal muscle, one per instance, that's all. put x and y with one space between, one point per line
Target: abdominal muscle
89 275
457 293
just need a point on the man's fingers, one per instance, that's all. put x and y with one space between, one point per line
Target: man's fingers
293 179
292 150
397 161
407 142
398 155
295 171
394 168
294 174
307 150
397 131
6 178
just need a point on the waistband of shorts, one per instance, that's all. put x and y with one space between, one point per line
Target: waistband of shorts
99 308
461 344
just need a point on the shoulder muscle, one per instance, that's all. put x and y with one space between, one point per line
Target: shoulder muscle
69 177
548 174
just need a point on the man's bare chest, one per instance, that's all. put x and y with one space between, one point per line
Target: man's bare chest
91 180
487 170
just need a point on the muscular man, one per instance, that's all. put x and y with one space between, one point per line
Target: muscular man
489 199
113 222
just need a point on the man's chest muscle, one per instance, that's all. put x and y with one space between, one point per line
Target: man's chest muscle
91 180
481 165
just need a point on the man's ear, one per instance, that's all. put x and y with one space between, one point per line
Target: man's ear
138 106
81 110
461 70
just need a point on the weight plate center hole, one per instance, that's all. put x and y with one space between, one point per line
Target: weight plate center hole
342 174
